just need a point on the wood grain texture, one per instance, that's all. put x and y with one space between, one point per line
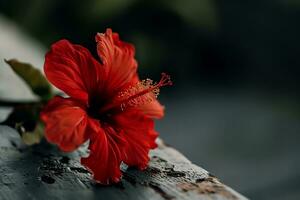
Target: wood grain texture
43 172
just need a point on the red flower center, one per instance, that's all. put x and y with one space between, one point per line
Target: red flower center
93 110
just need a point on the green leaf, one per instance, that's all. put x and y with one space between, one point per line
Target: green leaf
33 77
34 137
25 119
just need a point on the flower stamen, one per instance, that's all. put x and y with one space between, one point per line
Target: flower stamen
141 93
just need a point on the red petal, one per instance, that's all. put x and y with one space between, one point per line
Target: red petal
118 59
65 122
72 69
153 109
140 137
105 153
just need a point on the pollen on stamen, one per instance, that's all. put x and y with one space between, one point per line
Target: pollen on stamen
143 92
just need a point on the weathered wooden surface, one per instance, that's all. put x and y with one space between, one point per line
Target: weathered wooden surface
42 172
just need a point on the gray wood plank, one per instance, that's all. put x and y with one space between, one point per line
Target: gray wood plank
43 172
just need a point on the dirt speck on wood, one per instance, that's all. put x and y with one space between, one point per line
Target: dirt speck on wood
47 179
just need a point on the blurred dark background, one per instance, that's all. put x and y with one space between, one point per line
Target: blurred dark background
234 107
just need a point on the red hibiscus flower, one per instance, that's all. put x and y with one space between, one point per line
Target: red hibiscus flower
107 105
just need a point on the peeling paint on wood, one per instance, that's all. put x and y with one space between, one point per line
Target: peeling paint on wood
43 172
